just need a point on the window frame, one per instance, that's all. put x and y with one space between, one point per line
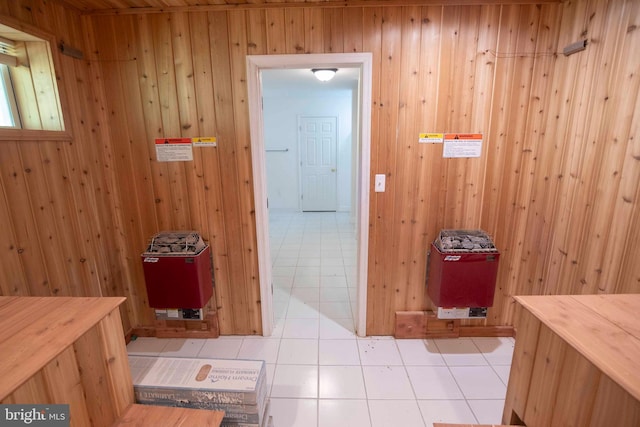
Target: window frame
27 32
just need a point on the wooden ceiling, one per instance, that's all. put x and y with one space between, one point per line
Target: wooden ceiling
157 6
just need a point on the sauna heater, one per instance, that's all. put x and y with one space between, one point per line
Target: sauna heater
462 266
178 275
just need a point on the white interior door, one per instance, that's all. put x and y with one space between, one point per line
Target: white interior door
318 163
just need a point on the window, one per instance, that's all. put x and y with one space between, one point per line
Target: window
9 116
29 98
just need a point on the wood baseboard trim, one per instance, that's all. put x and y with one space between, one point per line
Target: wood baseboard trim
425 324
487 331
207 328
144 331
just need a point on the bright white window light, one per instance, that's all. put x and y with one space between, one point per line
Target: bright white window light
324 74
8 109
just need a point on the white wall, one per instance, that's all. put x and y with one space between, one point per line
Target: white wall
281 110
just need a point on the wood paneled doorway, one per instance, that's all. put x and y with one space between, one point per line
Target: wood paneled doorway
256 63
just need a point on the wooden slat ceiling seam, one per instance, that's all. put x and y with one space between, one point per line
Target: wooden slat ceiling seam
119 7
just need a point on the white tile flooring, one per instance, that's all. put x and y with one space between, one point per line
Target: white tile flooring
320 374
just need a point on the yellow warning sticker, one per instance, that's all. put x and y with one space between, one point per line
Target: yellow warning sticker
431 138
205 142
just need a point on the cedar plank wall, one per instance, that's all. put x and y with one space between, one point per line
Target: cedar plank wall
57 212
557 184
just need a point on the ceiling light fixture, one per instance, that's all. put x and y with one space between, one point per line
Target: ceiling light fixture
324 74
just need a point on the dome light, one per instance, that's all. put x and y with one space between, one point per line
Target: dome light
324 74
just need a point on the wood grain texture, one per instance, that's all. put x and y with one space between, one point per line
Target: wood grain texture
57 192
144 415
468 425
574 407
574 363
545 378
111 7
522 363
580 322
63 379
557 184
612 406
72 353
118 378
32 344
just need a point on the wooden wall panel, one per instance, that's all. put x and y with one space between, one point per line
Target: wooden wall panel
12 280
234 308
108 240
583 120
294 31
333 33
45 231
177 204
427 171
185 84
256 32
95 259
406 256
570 232
388 153
556 185
352 19
213 223
504 173
614 244
114 65
250 308
58 196
528 224
378 300
16 197
275 23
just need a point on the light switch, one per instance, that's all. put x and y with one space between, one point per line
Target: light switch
380 182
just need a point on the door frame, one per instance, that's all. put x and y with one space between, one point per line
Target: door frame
299 119
256 63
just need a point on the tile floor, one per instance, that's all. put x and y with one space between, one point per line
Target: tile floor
320 374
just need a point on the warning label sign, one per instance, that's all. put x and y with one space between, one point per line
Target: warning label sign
205 142
174 149
457 145
430 138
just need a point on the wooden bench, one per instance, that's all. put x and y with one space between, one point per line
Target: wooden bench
65 350
147 415
470 425
575 361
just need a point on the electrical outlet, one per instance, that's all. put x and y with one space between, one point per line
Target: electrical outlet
380 182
